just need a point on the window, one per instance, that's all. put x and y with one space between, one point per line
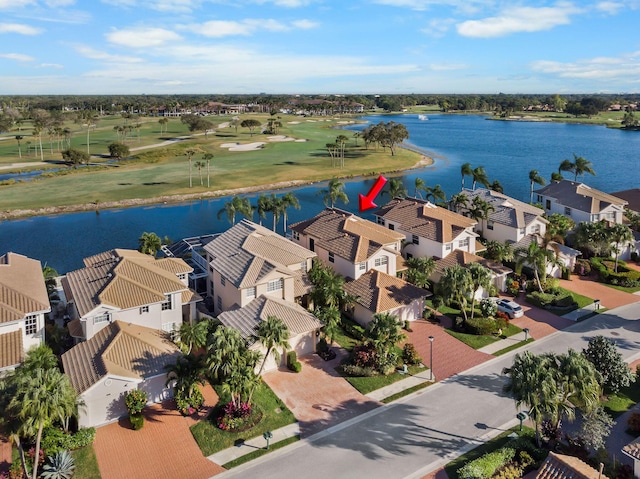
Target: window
303 266
535 229
144 309
415 239
464 243
167 304
295 235
219 303
312 244
250 292
103 318
548 205
522 230
380 220
383 260
567 211
447 247
331 258
489 225
223 281
539 199
31 324
275 285
211 268
392 227
182 276
362 266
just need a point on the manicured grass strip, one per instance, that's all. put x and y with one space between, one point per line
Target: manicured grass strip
406 392
495 443
473 340
578 298
512 347
211 439
260 452
623 288
86 463
367 384
623 400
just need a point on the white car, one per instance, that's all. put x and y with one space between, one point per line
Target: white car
510 308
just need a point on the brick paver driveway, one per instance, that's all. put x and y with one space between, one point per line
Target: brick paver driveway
450 356
589 287
318 397
163 448
5 453
540 322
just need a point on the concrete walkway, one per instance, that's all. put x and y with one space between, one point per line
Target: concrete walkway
504 343
402 385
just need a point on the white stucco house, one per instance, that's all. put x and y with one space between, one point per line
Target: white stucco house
510 220
378 292
249 260
348 244
131 287
580 202
302 325
117 359
429 230
23 305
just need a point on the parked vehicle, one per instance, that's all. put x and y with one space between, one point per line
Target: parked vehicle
510 308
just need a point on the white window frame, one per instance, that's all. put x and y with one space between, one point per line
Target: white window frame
31 324
275 285
295 235
489 225
332 258
223 281
463 242
168 304
415 239
144 309
567 211
250 292
380 220
362 266
182 276
381 261
102 318
447 246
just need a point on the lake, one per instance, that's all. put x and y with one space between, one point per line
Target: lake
507 150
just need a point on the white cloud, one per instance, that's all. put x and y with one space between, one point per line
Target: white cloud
612 8
19 28
225 28
463 6
441 67
7 4
59 3
305 24
286 3
55 66
171 6
94 54
518 19
437 27
19 57
142 37
624 68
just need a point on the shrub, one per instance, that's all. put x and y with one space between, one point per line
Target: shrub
503 315
634 256
407 325
510 471
551 299
634 422
54 440
292 357
136 400
352 370
481 326
410 355
582 267
566 273
60 466
234 416
137 421
365 356
488 307
296 367
486 466
353 329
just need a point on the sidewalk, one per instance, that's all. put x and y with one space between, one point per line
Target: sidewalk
403 384
577 314
504 343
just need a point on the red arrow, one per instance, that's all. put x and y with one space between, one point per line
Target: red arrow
366 202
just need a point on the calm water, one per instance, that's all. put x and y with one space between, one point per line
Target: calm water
507 150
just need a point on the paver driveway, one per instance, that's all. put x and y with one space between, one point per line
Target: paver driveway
540 322
163 448
318 397
589 287
5 453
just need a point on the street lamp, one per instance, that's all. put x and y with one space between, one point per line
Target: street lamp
431 338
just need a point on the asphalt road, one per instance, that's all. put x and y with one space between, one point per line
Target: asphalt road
411 438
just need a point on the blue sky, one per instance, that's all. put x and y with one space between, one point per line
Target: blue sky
318 46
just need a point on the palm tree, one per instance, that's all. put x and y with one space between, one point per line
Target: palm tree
341 140
189 152
208 157
149 243
537 258
225 348
620 235
289 200
481 278
328 287
331 318
465 170
565 165
187 372
192 336
581 166
278 209
498 251
395 189
384 333
496 186
480 211
535 178
41 357
435 193
420 185
455 286
19 138
263 206
419 270
479 176
333 193
459 200
237 205
273 334
199 165
91 117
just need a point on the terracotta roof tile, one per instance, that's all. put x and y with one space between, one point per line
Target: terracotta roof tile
579 196
11 349
559 466
378 291
22 288
464 258
633 449
424 219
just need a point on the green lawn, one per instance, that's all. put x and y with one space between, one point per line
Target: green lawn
260 452
367 384
343 338
478 342
624 400
211 439
623 288
86 463
496 443
578 298
512 347
406 392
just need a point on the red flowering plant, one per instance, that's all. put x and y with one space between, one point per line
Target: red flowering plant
234 416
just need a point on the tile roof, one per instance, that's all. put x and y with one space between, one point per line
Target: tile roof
123 279
247 252
507 211
579 196
633 449
11 349
559 466
347 235
424 219
120 349
247 318
464 258
22 288
378 291
632 197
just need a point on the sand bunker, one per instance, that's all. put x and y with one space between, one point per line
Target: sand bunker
280 138
246 147
293 122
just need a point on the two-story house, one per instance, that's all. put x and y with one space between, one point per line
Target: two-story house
429 230
249 260
23 305
349 244
580 202
131 287
510 221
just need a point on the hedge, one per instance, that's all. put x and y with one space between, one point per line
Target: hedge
484 326
486 466
624 276
54 440
551 300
